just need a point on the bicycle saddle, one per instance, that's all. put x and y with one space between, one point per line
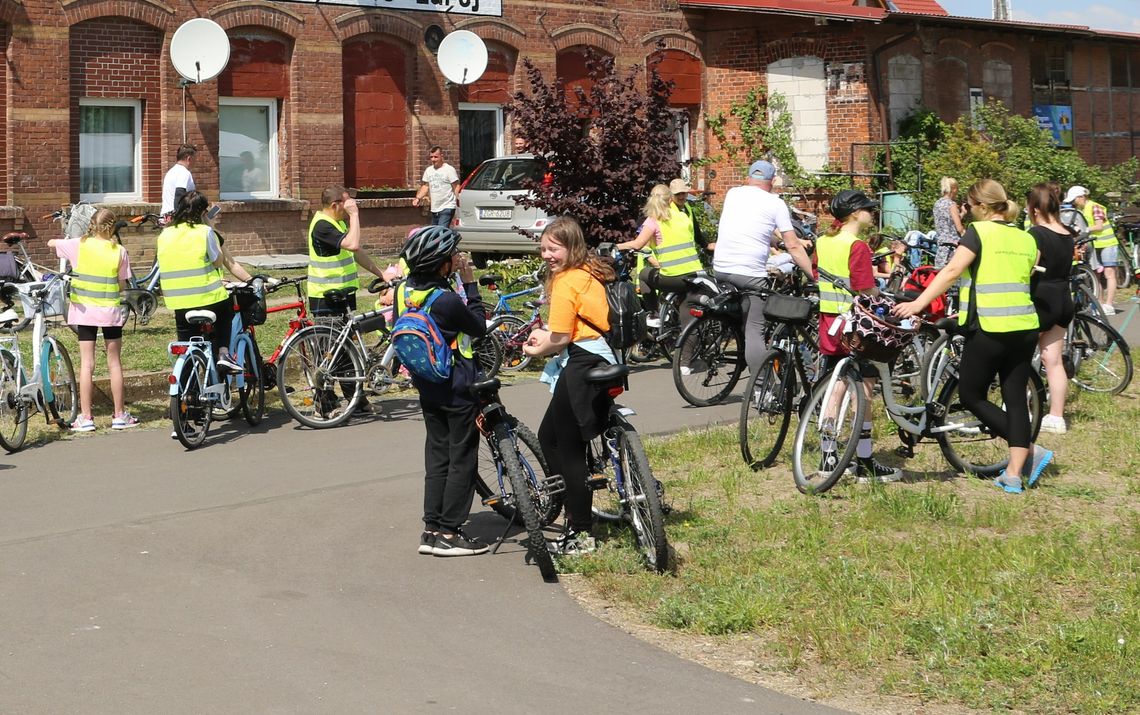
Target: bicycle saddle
606 374
950 325
15 237
199 317
485 388
8 317
490 279
532 304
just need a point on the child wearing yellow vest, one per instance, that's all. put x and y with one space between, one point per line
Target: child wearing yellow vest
100 268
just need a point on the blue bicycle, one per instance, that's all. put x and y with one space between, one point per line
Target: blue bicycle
198 391
509 330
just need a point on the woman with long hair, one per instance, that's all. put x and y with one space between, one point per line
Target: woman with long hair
100 269
1052 294
579 314
998 314
947 221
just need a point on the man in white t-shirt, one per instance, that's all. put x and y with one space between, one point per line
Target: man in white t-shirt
750 217
441 181
178 180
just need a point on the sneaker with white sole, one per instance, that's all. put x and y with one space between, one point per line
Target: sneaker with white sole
686 370
573 543
457 544
124 421
869 470
1108 309
653 322
427 542
1053 424
83 424
227 364
1038 461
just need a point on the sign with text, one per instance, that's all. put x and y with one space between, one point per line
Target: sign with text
490 8
1057 119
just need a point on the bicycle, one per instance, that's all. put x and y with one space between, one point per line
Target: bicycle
20 268
833 419
1095 355
142 291
521 491
509 330
198 390
659 341
53 390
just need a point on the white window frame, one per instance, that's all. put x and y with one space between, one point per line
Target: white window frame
136 195
683 135
499 124
274 186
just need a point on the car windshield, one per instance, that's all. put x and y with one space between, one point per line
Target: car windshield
505 174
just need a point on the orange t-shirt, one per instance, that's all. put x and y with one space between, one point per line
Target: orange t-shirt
573 293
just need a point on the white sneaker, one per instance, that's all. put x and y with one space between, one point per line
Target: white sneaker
1108 309
1053 424
686 370
653 322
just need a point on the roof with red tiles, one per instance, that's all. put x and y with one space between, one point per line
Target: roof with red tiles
825 8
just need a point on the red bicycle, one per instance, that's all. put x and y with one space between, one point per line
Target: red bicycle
302 320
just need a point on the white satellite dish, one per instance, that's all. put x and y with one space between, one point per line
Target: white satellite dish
199 50
462 57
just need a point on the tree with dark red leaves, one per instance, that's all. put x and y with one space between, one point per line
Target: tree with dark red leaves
607 141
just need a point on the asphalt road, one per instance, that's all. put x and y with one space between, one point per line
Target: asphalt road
275 570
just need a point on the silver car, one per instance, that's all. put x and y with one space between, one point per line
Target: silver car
488 217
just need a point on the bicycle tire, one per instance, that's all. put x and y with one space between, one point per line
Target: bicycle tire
1090 281
645 350
549 505
713 347
645 513
766 410
1124 269
488 355
987 455
252 390
307 380
815 479
1100 344
144 305
941 361
508 330
13 410
525 508
60 374
191 418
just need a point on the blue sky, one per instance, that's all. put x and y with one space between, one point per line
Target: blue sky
1120 15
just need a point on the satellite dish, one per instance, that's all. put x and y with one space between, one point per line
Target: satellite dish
199 50
462 57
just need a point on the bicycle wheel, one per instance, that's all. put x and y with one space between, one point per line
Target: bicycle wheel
708 361
309 376
966 443
1101 356
488 355
508 460
495 489
188 411
144 305
645 350
828 432
1123 269
766 410
13 410
511 333
642 500
907 376
941 361
252 390
1090 282
59 373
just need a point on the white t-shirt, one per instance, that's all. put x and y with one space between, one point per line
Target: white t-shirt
744 235
177 178
439 183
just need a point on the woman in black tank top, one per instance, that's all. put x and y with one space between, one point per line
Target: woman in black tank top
1051 294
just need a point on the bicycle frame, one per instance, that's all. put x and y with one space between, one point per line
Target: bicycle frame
38 392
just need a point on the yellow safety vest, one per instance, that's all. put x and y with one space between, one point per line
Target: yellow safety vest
676 252
1106 236
95 279
189 278
834 257
330 272
1000 290
418 297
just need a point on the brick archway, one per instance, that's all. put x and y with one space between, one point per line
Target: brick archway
260 13
571 70
148 12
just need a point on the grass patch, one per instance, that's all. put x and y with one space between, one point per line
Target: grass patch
942 589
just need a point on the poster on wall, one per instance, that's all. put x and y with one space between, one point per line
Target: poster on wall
1057 119
488 8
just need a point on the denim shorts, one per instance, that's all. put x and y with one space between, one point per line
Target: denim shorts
1107 256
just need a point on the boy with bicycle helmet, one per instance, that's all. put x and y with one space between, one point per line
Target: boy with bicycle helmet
451 449
844 270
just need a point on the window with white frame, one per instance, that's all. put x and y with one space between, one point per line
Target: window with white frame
480 134
681 137
110 149
247 155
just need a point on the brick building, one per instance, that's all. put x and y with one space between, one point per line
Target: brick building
319 93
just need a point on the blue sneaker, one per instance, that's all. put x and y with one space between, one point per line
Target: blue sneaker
1041 459
1008 483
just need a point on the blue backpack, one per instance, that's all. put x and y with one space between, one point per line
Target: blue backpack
419 342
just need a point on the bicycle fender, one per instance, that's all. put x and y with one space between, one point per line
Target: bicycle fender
45 373
175 387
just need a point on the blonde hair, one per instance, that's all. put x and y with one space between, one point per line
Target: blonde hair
657 205
566 232
103 226
990 197
948 185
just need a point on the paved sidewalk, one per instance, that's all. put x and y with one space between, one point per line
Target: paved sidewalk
274 570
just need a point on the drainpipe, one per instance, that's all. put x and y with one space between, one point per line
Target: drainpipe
884 116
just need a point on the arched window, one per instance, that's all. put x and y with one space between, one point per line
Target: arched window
375 112
570 66
904 82
997 81
953 91
803 85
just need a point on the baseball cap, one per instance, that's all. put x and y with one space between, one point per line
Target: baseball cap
763 170
680 186
1074 192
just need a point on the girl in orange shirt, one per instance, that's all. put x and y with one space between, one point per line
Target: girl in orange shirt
577 411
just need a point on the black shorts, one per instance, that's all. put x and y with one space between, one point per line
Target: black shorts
87 333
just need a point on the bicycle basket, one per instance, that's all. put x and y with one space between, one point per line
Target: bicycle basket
252 306
9 269
870 334
783 308
55 305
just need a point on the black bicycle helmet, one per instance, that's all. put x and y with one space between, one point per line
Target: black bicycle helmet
849 201
428 247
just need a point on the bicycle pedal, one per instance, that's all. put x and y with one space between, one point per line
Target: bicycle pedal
493 500
553 485
597 481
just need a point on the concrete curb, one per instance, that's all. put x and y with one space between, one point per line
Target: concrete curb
139 387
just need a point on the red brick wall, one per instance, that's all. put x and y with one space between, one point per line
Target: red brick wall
685 71
494 87
375 112
258 66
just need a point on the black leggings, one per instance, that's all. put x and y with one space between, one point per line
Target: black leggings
1008 356
223 323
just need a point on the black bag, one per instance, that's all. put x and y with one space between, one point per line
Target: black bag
627 317
251 303
791 309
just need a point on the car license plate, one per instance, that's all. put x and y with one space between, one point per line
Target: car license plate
496 213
